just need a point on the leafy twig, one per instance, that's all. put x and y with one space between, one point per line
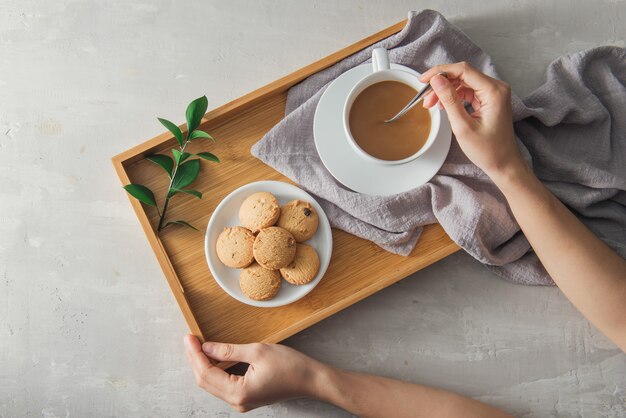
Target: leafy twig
182 170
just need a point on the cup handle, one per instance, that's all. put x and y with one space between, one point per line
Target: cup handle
380 59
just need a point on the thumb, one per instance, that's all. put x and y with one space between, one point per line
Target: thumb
228 352
449 98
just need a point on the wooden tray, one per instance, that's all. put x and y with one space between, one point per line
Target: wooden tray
358 267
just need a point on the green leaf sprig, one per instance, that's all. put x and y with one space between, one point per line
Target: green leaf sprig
183 169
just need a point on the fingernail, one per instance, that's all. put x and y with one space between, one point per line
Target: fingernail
208 347
186 341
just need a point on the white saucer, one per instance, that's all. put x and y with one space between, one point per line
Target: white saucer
352 170
227 214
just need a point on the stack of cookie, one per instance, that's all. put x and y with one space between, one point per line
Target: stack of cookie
269 244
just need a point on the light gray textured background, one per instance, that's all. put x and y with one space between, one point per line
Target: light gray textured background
88 326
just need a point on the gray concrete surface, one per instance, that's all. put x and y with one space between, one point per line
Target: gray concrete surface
88 326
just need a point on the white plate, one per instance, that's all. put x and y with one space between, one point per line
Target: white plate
354 171
227 214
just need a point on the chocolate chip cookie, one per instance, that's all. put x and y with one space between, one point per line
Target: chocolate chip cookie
304 266
234 247
299 218
259 283
259 210
274 248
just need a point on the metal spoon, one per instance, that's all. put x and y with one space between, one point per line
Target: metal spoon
415 100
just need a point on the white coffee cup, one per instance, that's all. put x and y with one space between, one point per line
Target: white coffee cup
382 71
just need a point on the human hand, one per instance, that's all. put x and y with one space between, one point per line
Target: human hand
275 373
486 136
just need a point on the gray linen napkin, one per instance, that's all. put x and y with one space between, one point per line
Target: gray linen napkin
573 126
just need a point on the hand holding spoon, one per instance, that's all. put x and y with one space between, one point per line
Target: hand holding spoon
415 100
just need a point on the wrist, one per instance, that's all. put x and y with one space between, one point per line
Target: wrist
511 175
326 383
340 388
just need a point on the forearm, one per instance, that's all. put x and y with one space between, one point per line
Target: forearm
375 396
588 272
